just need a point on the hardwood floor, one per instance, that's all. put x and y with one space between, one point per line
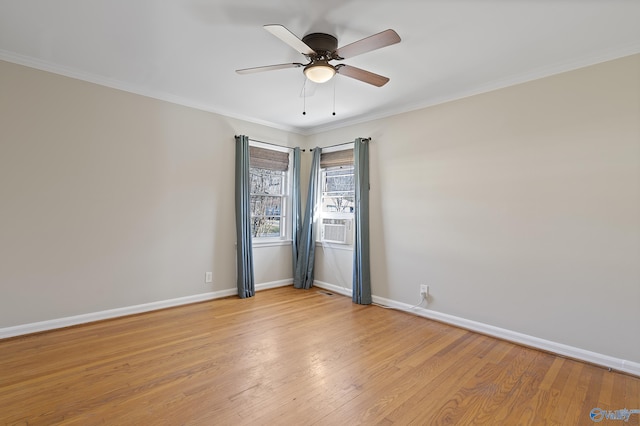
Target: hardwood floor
294 357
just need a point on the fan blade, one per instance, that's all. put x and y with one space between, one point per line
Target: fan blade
362 75
290 38
269 68
376 41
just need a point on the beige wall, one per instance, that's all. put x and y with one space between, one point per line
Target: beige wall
519 207
110 199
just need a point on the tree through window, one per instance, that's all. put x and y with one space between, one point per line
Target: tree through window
338 190
338 195
266 202
269 187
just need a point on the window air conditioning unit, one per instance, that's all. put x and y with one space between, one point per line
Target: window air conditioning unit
336 231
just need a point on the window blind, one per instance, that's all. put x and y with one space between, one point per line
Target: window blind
262 158
336 158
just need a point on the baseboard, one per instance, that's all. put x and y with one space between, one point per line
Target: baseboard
274 284
38 327
332 287
629 367
618 364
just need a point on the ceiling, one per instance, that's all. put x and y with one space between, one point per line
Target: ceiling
187 51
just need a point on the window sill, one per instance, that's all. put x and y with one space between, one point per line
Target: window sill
334 246
270 243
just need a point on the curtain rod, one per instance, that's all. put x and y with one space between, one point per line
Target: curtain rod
303 150
272 144
344 143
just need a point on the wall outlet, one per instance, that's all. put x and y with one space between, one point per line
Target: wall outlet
424 290
208 277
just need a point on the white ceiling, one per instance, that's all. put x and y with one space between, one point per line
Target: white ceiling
186 51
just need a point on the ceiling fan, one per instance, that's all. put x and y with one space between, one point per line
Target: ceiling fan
320 49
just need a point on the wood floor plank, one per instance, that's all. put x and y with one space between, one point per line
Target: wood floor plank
593 389
486 392
289 356
447 374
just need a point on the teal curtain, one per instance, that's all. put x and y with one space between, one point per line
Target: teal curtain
361 262
244 249
296 207
303 277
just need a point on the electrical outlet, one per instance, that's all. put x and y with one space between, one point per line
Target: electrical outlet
208 277
424 290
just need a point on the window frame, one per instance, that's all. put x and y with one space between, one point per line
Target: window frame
323 180
333 215
285 196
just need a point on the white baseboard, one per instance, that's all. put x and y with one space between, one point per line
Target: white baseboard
334 288
37 327
607 361
274 284
618 364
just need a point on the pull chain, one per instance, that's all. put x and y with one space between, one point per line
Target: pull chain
334 96
304 97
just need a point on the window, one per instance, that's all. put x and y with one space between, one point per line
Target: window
266 202
337 196
338 190
269 180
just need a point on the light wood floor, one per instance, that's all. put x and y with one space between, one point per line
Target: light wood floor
294 357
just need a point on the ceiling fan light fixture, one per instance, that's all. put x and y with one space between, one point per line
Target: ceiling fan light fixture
319 72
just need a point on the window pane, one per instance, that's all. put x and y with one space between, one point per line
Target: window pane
338 193
339 180
338 204
265 181
265 226
264 205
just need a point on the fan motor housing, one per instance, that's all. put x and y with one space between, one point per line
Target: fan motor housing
321 42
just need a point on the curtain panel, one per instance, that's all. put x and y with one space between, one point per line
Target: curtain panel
361 261
303 277
296 208
244 250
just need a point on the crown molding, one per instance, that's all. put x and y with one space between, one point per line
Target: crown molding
51 67
539 73
558 68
